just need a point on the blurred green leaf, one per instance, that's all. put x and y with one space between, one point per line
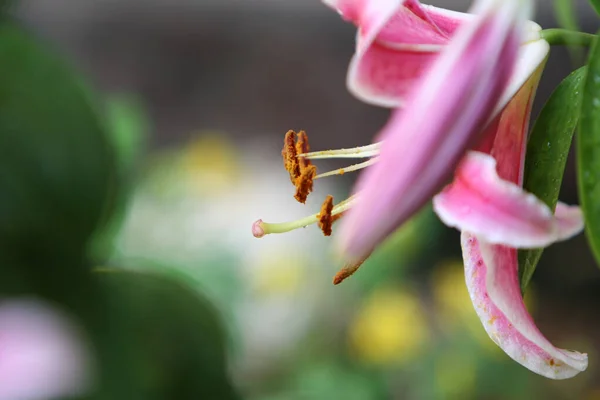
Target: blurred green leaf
547 153
588 150
176 336
595 5
564 12
329 379
403 250
57 172
128 130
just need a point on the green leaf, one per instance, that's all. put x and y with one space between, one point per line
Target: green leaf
588 151
128 131
175 335
57 170
547 153
596 5
565 15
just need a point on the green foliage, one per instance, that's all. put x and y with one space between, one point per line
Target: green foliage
588 150
547 153
127 131
56 167
175 335
564 11
596 5
59 174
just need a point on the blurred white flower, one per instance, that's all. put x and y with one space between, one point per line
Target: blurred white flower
194 213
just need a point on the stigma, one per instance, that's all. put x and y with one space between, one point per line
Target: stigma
297 161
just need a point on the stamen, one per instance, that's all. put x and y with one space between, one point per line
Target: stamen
304 184
290 156
325 217
301 148
342 171
301 170
261 228
347 271
355 152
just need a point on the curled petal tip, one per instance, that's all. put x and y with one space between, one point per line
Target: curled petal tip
492 281
570 220
257 229
499 211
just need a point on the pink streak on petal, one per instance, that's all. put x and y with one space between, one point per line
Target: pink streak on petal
42 356
511 138
417 24
492 281
424 142
369 15
479 201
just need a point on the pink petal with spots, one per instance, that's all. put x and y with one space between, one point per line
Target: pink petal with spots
424 142
492 281
501 212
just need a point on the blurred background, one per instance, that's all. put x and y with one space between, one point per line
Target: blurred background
199 94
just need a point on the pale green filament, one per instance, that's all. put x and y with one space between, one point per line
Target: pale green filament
355 152
283 227
351 168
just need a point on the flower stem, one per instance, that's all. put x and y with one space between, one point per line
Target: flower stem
565 37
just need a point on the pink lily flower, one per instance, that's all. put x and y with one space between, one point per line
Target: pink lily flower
465 81
487 203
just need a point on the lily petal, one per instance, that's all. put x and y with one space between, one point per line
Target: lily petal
499 211
492 281
425 140
570 220
398 40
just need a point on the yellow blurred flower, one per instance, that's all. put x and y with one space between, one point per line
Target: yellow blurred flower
211 163
454 307
389 328
279 272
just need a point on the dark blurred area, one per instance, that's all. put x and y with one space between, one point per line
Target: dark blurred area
212 86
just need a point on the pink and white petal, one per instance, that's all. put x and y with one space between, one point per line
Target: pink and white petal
492 281
501 212
570 220
417 24
409 23
426 140
531 57
387 65
383 76
370 16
